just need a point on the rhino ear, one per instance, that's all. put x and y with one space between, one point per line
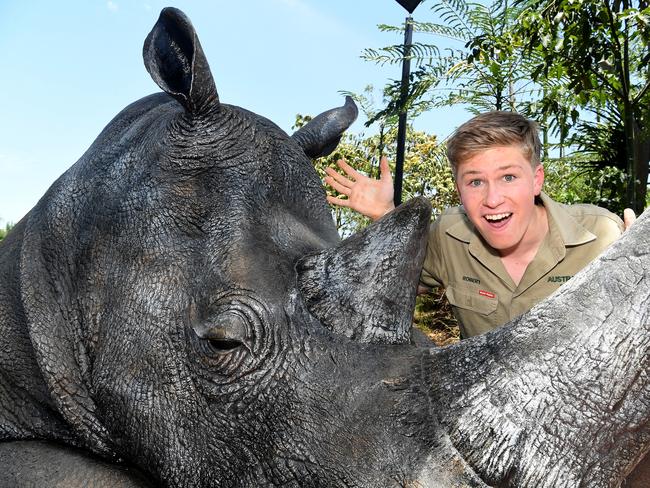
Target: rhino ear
175 60
323 133
365 287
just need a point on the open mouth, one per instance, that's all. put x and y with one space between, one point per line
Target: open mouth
498 219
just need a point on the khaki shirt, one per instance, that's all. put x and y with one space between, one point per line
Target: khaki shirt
481 292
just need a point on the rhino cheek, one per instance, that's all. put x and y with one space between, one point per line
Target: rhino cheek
361 408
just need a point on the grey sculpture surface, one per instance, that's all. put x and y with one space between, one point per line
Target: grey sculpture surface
178 310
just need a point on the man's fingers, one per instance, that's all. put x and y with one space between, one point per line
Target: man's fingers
338 201
336 176
628 218
349 170
384 168
337 186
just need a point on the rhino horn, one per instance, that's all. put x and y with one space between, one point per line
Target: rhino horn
175 60
365 287
322 134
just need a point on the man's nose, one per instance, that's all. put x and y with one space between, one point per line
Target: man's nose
493 196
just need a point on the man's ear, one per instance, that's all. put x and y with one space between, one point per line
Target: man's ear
538 178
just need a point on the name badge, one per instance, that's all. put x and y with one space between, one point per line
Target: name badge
488 294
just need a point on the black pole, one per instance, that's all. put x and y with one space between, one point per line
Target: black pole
401 124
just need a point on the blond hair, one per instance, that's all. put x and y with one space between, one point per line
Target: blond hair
493 129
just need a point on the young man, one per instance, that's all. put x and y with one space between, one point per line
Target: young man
509 245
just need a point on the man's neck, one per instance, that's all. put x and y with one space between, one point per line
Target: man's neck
516 260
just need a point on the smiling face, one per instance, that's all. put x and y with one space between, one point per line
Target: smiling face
498 187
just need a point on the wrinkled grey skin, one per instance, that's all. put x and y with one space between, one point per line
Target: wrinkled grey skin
178 311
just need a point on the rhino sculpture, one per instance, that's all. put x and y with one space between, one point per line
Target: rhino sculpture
179 311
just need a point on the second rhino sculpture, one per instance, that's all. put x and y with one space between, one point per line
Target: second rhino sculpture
178 310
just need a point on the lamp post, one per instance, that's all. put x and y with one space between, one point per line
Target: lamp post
410 6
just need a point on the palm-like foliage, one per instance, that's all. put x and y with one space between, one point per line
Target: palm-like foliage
600 50
480 66
580 67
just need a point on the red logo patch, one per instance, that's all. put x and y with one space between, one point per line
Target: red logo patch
488 294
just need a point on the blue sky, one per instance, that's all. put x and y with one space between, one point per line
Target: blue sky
68 67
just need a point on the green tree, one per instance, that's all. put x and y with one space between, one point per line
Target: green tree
569 180
482 68
579 67
426 171
3 232
598 51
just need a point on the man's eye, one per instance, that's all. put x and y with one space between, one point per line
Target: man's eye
509 178
475 183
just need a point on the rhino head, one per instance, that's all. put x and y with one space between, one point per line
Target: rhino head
180 302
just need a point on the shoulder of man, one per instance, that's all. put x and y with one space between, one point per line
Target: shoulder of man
586 214
451 216
451 227
605 225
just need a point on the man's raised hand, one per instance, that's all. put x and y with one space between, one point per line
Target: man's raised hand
370 197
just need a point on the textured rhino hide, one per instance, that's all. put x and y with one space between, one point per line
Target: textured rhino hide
178 310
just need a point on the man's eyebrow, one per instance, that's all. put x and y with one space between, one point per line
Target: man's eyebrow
507 166
472 172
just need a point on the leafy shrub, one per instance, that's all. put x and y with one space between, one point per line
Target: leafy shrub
3 232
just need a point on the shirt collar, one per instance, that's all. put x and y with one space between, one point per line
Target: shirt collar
571 232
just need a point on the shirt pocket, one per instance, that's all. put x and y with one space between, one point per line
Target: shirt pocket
471 299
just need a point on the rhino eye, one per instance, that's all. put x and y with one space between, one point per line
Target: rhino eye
228 338
224 345
224 333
